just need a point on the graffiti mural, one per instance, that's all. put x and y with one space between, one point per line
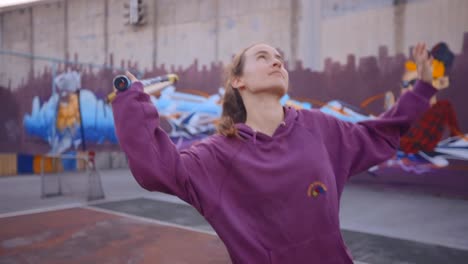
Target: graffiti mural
64 108
74 116
70 117
423 148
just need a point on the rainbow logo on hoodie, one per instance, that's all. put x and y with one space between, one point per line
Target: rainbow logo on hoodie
316 188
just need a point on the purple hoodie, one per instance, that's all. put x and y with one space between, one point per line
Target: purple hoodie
270 199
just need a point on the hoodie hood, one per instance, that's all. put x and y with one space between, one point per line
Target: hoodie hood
285 127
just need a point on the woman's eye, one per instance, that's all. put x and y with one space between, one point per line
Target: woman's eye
262 57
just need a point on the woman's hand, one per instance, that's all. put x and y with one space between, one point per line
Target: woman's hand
110 97
423 62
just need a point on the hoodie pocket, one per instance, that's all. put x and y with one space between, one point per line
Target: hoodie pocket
324 250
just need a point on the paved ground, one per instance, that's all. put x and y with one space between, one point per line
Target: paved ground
82 235
379 224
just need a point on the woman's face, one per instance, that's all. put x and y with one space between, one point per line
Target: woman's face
263 71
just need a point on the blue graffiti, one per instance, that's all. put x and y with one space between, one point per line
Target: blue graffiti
96 124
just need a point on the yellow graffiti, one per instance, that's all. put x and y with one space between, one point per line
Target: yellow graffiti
68 113
438 68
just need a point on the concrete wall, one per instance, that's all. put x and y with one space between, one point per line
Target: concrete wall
49 33
179 31
16 36
131 43
111 160
397 27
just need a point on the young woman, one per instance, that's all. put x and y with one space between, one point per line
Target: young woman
270 181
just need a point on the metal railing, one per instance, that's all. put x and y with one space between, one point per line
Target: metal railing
94 188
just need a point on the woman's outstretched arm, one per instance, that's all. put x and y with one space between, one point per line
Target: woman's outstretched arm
154 160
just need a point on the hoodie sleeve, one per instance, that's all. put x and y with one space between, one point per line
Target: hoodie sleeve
153 159
357 147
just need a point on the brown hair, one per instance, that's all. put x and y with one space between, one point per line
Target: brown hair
233 106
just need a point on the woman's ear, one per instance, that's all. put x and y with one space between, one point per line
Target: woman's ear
237 83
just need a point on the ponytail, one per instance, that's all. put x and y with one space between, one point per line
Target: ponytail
233 106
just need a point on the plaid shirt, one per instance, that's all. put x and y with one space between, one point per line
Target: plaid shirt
427 132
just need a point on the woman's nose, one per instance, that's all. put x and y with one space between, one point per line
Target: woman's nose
277 63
